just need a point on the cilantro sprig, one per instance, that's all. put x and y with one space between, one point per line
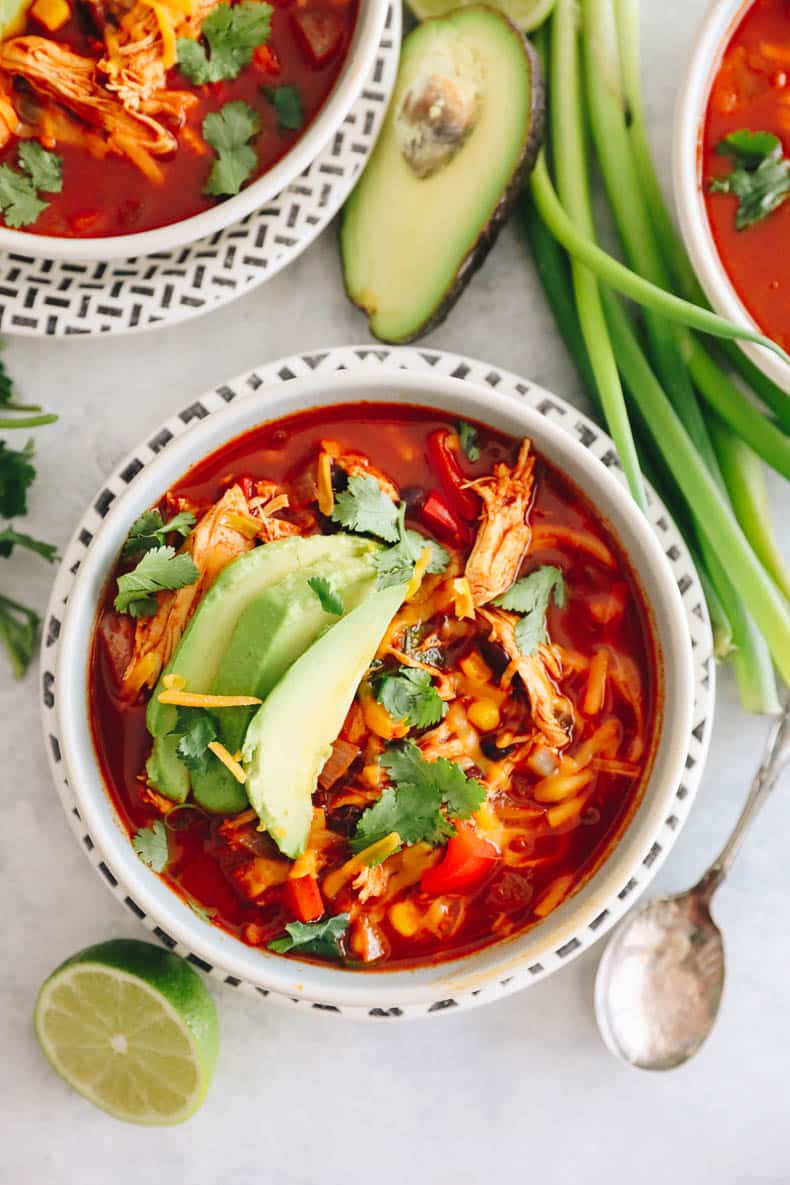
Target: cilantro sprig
408 694
159 570
363 507
467 434
422 802
229 132
314 938
150 843
40 170
232 34
530 597
287 103
395 565
19 624
760 179
331 602
196 729
149 531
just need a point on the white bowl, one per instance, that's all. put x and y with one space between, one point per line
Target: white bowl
356 68
714 35
487 973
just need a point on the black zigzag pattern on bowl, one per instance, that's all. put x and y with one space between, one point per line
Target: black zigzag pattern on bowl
46 297
562 414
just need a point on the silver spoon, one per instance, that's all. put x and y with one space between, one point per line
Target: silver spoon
660 981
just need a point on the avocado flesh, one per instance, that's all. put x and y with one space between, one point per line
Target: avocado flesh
292 733
410 243
199 654
271 634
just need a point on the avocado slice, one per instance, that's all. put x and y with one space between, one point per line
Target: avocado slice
206 639
461 135
291 734
271 634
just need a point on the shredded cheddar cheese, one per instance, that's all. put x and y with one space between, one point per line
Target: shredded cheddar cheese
174 682
165 22
227 760
196 699
326 495
463 602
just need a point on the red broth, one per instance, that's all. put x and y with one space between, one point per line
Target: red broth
752 90
111 196
510 899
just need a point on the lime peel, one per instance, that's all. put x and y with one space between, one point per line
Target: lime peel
526 15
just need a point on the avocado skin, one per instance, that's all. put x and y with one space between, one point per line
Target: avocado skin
489 233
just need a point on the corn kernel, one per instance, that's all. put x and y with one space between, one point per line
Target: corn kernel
475 668
405 918
484 714
51 13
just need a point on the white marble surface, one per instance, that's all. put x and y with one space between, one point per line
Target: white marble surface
522 1090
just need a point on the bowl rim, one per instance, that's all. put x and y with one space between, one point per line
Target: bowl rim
713 36
358 63
334 986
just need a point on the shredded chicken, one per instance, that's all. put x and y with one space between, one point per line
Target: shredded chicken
138 58
213 544
269 500
55 71
9 120
504 533
371 882
358 465
552 712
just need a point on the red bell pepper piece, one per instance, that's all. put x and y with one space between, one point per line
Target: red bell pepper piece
468 859
444 461
304 898
439 516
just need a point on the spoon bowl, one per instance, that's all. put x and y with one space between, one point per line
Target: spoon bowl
660 982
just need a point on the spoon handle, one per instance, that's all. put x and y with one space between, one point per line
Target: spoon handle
777 755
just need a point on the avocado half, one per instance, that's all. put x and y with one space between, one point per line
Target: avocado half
460 138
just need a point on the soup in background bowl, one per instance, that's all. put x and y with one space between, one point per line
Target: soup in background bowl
465 704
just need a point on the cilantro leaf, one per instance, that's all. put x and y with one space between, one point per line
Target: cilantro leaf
18 200
416 818
149 531
228 132
196 729
314 938
531 597
10 538
760 179
330 601
395 565
150 843
232 33
413 806
408 694
406 766
45 168
467 434
440 557
19 628
287 103
365 508
157 571
16 477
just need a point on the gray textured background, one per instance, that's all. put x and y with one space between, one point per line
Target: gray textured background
519 1091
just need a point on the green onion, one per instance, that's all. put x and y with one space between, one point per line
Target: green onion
570 159
619 277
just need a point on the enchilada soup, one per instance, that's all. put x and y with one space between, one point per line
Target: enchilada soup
373 686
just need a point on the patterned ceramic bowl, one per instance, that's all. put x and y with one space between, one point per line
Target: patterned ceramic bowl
577 447
359 61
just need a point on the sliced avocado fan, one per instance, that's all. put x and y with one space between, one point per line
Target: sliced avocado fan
462 133
291 735
199 655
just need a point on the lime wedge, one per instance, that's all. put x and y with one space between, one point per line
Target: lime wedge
525 14
132 1028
